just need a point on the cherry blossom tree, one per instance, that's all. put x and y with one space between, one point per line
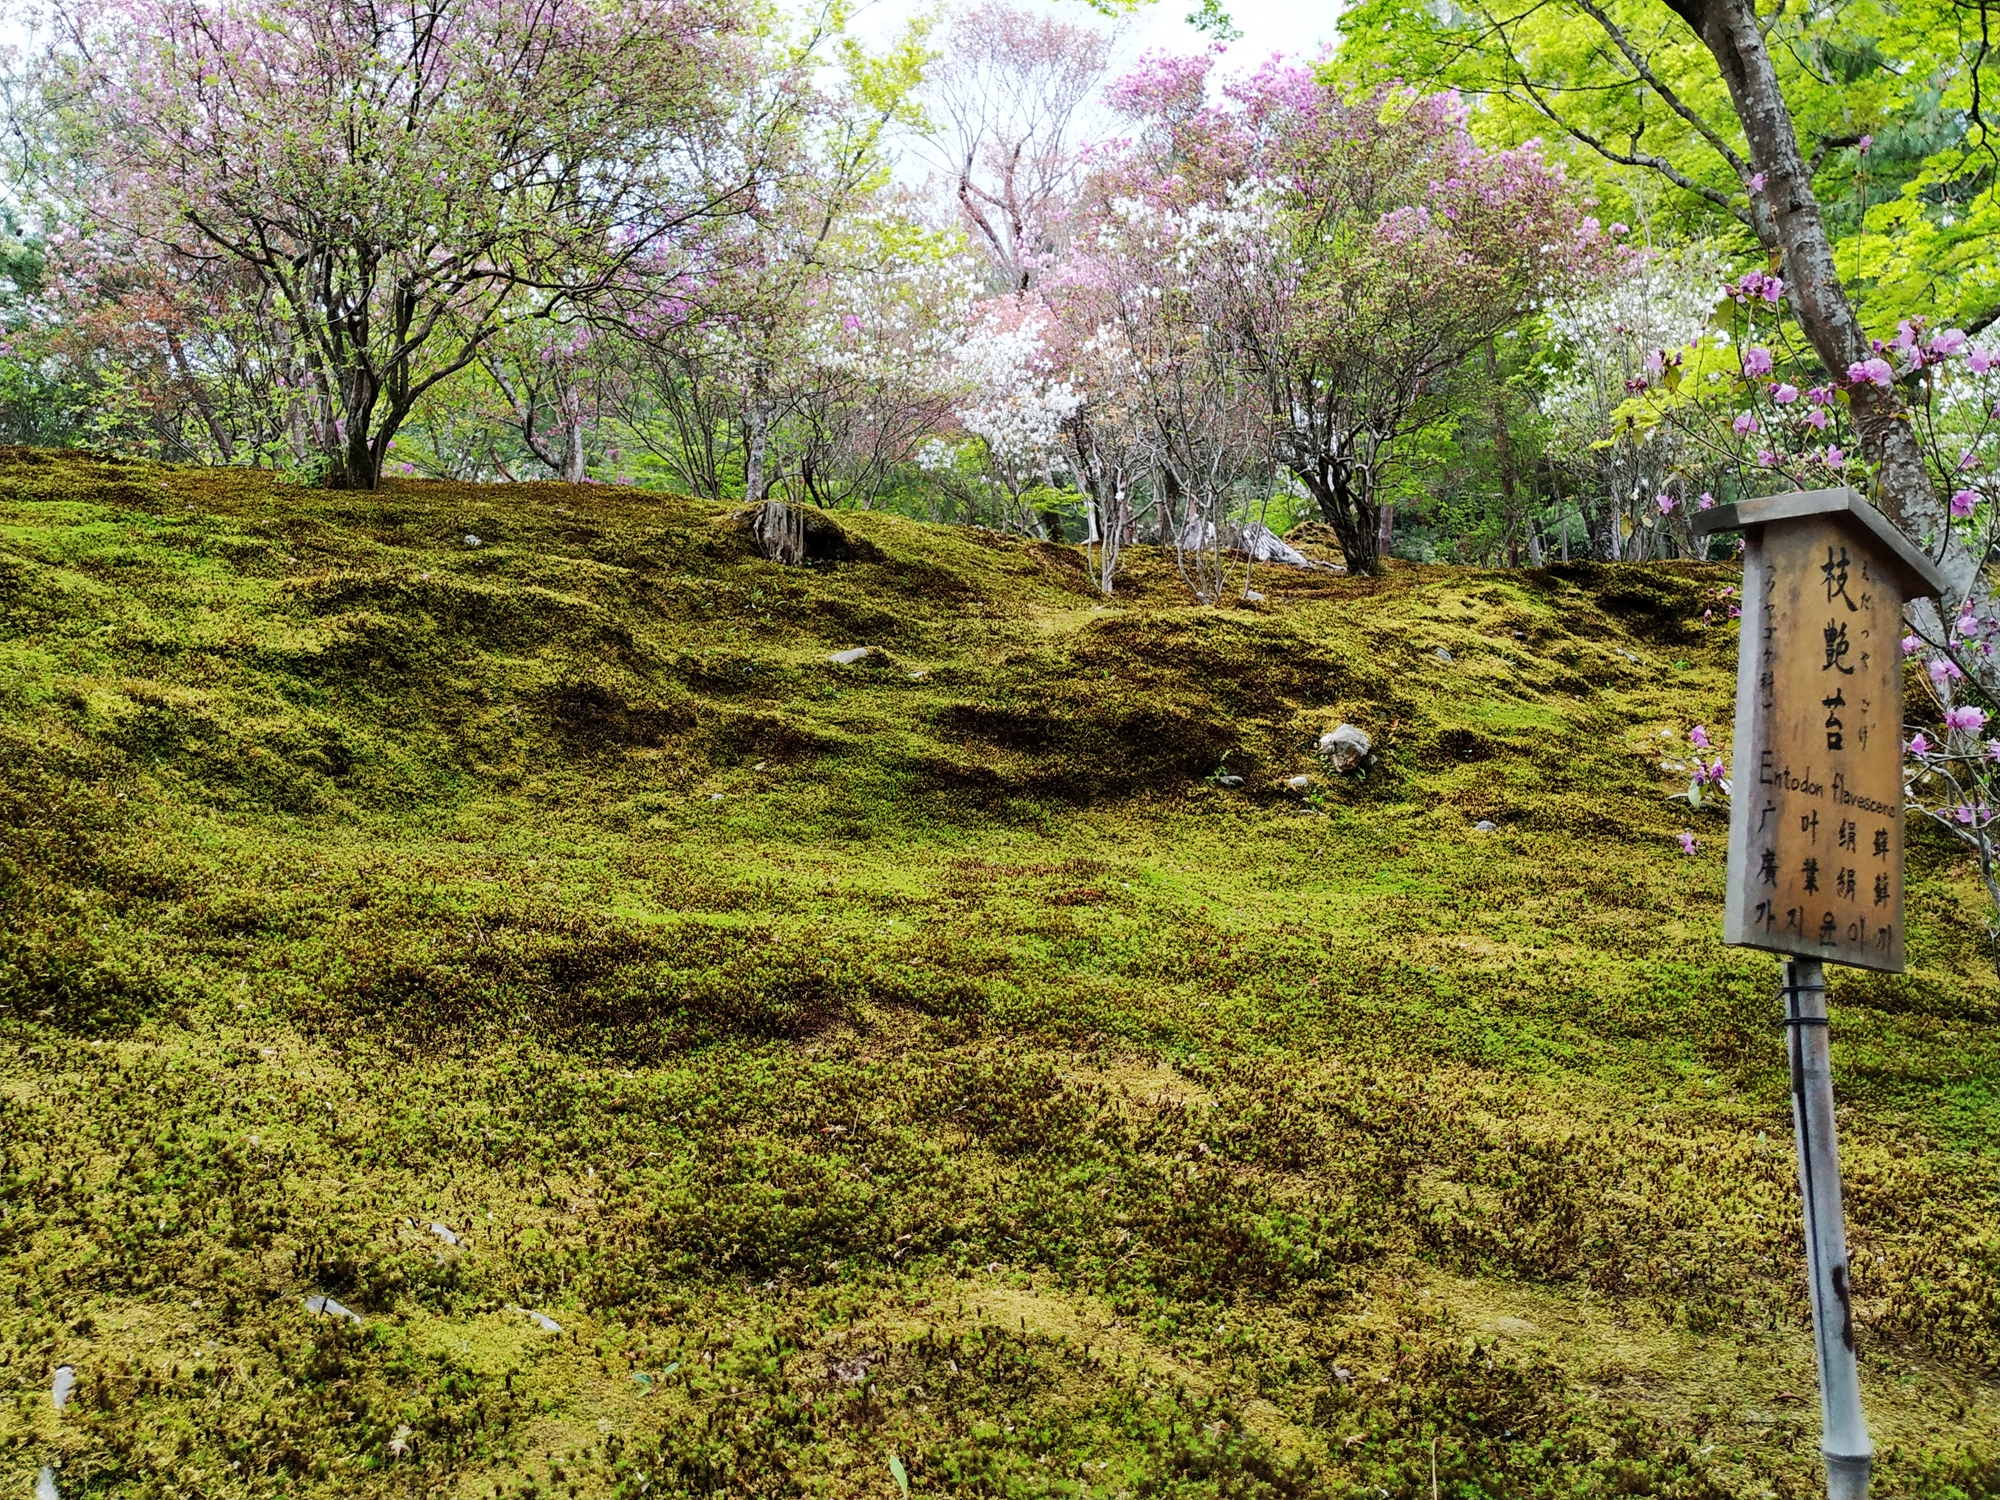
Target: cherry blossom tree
1397 247
1005 97
400 178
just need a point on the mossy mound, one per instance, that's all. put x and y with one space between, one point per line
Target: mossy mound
937 1057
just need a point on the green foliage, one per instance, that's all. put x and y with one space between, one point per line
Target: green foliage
920 1058
1917 79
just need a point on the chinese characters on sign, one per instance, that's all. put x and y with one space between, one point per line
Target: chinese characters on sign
1816 822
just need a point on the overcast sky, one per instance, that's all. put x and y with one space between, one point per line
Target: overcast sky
1298 27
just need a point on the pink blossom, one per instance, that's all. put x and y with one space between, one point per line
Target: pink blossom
1918 745
1756 361
1878 370
1993 749
1980 361
1948 341
1784 395
1698 736
1835 458
1963 503
1766 459
1756 182
1965 717
1963 813
1735 613
1745 423
1616 228
1943 669
1865 143
1686 841
1707 501
1911 645
1817 420
1666 504
1728 590
1820 395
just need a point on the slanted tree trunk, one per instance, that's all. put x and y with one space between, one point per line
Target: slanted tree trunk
1787 215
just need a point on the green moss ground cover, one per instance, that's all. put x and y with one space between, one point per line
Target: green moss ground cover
916 1073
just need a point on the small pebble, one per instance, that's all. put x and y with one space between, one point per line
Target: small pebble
448 1236
1484 826
65 1384
1298 783
473 541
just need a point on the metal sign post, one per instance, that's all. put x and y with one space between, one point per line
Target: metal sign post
1816 838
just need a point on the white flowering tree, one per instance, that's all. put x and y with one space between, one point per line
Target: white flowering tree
1602 341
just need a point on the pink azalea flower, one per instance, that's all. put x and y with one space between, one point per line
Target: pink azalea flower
1617 228
1666 504
1817 420
1820 395
1735 613
1784 395
1835 458
1707 501
1918 745
1943 669
1963 503
1757 182
1756 361
1878 370
1962 813
1981 361
1866 142
1745 423
1687 842
1699 737
1911 645
1949 341
1993 749
1766 459
1965 717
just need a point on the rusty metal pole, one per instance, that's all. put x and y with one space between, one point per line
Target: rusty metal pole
1843 1431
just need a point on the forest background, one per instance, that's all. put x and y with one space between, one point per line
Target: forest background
1449 287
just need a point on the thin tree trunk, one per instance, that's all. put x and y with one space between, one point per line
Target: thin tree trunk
1789 214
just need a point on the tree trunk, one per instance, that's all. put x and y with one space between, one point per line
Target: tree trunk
753 465
1359 526
1730 31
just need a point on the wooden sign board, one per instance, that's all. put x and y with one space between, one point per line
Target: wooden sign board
1816 795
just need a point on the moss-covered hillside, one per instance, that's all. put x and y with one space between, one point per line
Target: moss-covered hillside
702 1068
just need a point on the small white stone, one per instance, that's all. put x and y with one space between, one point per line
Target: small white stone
447 1235
848 658
65 1383
1486 826
473 541
1346 747
1298 783
331 1309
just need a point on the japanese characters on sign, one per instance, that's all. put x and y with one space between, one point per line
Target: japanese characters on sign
1816 821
